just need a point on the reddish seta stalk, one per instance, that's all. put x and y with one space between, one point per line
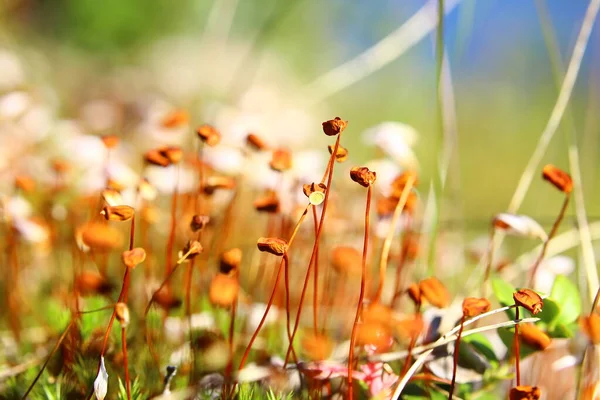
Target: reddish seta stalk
456 353
316 277
553 231
517 349
361 295
329 173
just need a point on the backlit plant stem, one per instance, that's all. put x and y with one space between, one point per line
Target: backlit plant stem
171 240
456 353
228 390
361 296
517 349
316 277
385 252
490 256
316 244
122 299
126 362
553 231
273 293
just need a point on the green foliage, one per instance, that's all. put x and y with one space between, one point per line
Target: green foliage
482 345
504 293
565 293
136 391
58 315
92 321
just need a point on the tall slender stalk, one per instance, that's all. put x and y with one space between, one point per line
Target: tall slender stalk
329 173
552 233
361 296
387 244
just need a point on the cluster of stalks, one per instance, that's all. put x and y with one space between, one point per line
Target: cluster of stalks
362 309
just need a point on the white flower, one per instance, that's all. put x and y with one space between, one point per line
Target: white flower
101 382
549 269
17 207
227 160
395 139
11 71
165 179
32 231
14 104
387 171
519 225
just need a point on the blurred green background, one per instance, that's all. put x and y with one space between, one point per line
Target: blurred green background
501 71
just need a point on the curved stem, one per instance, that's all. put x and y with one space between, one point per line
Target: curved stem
171 240
262 320
387 244
58 342
316 277
488 266
456 350
362 293
316 244
125 362
286 264
553 231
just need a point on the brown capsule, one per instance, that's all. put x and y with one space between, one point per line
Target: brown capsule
117 213
122 314
25 183
281 160
377 312
410 327
230 260
334 126
191 249
166 299
315 193
316 346
113 184
256 142
399 183
410 245
525 393
473 306
411 203
175 119
155 157
60 166
209 135
346 260
172 153
149 214
374 334
269 202
101 237
559 178
414 293
275 246
529 300
386 206
90 283
134 257
213 183
534 337
199 222
223 290
112 197
363 176
341 155
434 292
590 325
110 141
